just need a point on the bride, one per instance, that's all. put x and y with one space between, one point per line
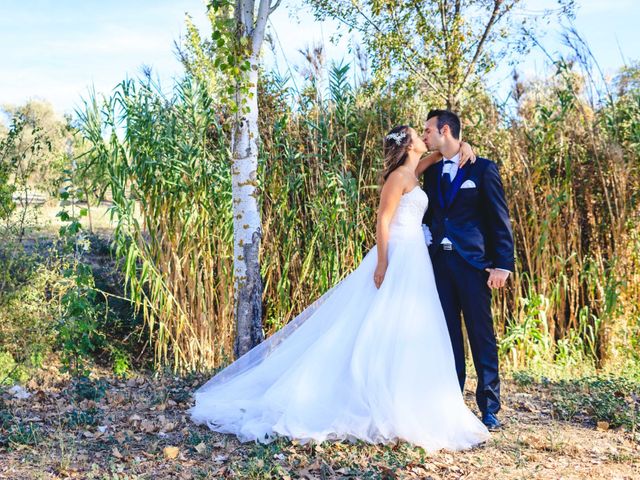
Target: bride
371 359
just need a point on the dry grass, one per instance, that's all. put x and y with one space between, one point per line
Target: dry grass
143 416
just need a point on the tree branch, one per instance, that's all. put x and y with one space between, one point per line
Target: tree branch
404 58
485 34
274 6
257 35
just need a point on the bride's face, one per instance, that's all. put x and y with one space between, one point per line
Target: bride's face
417 144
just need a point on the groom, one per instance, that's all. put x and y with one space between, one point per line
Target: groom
472 252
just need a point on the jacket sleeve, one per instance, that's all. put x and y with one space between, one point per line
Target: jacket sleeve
501 251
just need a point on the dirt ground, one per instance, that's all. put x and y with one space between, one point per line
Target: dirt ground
138 429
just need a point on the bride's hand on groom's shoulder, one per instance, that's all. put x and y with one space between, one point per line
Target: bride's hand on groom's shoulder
378 274
466 154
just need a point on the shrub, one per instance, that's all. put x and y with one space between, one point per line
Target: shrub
610 399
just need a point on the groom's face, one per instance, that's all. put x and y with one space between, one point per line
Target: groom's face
431 136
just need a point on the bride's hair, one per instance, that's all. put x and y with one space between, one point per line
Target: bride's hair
396 143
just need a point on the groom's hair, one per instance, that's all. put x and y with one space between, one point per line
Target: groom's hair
447 117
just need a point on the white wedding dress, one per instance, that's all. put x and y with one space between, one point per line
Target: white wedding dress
360 363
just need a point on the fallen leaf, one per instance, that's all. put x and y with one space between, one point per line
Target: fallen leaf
147 426
170 452
115 398
168 427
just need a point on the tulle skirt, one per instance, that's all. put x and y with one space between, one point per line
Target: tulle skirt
361 364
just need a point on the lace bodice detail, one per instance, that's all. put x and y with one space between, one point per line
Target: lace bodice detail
407 219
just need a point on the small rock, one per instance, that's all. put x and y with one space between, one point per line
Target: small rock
19 392
134 418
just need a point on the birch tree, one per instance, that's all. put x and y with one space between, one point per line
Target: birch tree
236 42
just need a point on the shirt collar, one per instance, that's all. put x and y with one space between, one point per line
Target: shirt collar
455 159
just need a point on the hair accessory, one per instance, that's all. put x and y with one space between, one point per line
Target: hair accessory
397 137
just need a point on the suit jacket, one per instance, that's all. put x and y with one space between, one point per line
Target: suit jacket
476 219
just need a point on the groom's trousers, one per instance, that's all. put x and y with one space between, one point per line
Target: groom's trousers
463 288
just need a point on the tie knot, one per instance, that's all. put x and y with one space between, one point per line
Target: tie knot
448 162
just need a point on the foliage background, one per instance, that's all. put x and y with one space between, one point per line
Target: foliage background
159 160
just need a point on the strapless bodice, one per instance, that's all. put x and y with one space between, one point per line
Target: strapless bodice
407 219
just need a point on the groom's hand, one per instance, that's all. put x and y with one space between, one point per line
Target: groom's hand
497 277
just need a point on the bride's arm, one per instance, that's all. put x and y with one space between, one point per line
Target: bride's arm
389 200
426 162
466 155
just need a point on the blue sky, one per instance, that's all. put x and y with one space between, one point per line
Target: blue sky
57 49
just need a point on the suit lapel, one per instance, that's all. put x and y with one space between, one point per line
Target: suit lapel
461 176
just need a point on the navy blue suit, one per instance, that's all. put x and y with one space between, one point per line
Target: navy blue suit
476 221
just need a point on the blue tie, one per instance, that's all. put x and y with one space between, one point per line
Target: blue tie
445 181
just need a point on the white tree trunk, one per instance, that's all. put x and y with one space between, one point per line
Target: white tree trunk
246 222
246 215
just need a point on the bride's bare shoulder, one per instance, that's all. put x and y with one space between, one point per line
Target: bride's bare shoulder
400 179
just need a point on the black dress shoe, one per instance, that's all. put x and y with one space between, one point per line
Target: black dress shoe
491 421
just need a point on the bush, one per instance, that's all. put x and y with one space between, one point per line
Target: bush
10 371
28 311
610 399
85 388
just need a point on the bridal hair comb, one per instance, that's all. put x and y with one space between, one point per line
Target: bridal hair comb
396 137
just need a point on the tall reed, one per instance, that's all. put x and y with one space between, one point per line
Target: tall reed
161 160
